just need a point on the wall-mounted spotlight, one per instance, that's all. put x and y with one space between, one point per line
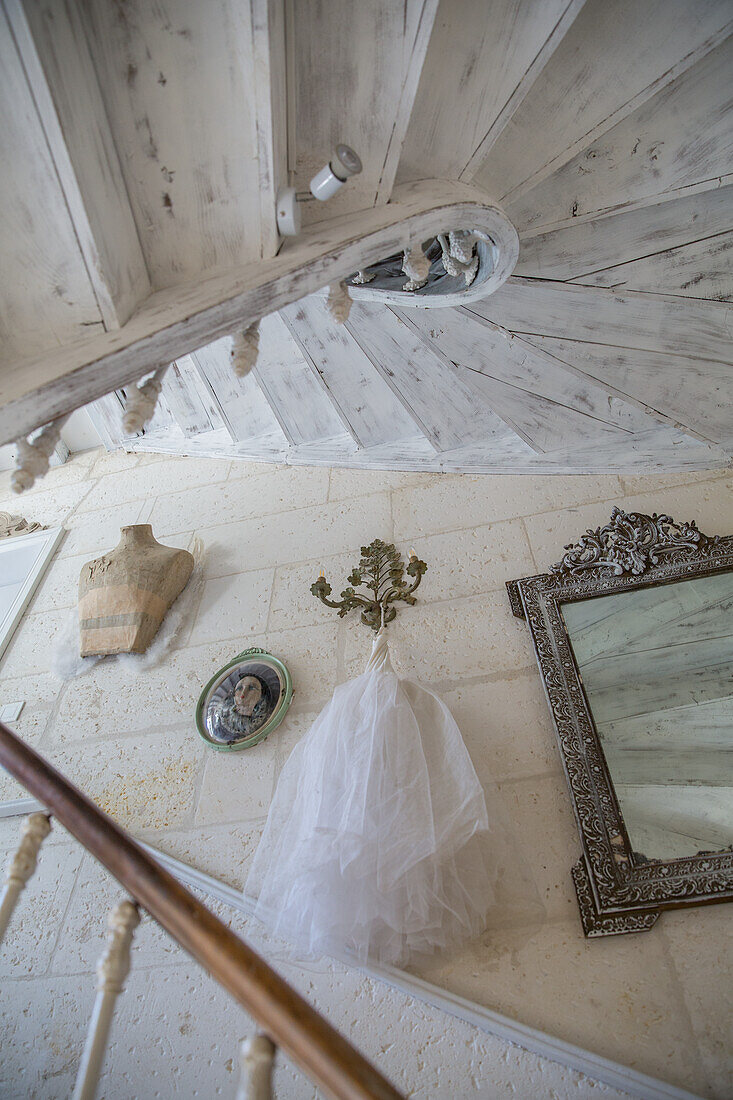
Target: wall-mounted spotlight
344 163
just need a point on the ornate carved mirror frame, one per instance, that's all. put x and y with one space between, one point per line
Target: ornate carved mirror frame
617 892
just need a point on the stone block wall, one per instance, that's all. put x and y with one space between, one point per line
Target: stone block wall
654 1001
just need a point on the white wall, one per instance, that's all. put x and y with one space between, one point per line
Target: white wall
78 433
655 1001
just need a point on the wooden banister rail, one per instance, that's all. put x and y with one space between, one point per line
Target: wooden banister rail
281 1013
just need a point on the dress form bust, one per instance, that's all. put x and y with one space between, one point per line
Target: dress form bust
124 595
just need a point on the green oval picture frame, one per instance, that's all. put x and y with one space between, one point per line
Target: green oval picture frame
219 692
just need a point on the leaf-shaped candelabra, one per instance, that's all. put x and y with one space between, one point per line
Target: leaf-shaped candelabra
382 572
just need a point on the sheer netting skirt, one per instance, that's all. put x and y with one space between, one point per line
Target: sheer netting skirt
381 843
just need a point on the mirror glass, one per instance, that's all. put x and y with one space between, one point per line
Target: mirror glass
657 669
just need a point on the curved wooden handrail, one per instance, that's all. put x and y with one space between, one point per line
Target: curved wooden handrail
177 320
323 1054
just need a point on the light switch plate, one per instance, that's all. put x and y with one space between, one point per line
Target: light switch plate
10 712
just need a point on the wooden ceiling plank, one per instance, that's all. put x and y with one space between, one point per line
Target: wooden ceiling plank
46 295
424 382
546 425
351 87
58 65
548 406
657 450
419 20
334 398
180 391
369 405
479 344
178 83
477 59
179 320
295 392
614 58
242 405
522 90
690 393
654 322
701 269
271 125
631 205
680 138
581 249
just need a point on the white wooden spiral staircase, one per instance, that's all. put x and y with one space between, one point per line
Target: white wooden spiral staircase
145 148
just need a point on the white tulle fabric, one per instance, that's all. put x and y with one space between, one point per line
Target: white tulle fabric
379 844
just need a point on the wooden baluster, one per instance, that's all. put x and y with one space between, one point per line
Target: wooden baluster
35 829
256 1062
112 969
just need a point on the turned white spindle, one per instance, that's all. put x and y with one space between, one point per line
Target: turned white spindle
338 302
245 349
112 969
33 456
256 1062
36 828
141 401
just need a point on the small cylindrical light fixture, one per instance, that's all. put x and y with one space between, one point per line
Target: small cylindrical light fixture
344 163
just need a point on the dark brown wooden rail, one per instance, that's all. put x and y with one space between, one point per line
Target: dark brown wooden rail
321 1052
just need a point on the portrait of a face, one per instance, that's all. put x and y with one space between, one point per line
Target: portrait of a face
241 701
247 694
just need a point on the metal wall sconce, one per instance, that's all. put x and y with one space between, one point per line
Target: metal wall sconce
381 571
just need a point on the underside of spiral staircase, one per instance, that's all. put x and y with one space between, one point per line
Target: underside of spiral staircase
588 144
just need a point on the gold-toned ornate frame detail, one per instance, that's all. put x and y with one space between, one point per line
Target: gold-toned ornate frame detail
616 893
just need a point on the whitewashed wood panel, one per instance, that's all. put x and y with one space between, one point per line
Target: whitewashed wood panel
243 407
613 58
294 390
478 56
106 416
542 425
426 383
363 398
655 322
657 748
162 420
672 824
350 75
67 95
694 764
671 648
692 392
270 116
548 406
419 19
591 245
660 450
615 625
46 297
178 86
680 137
702 269
181 394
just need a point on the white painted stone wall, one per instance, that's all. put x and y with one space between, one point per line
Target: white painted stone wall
655 1001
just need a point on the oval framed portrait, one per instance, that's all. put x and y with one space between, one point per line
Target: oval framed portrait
244 701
